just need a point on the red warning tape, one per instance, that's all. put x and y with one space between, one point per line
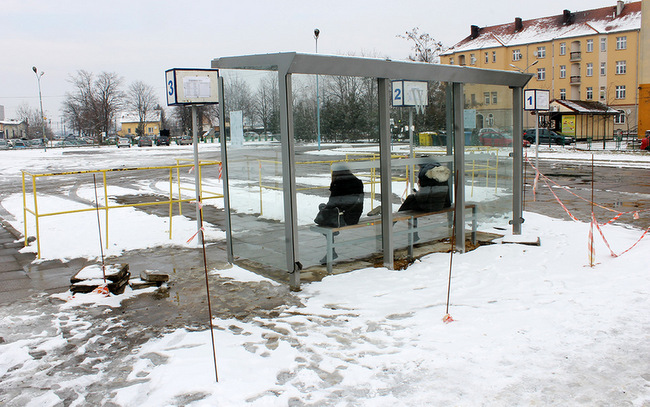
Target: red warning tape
194 235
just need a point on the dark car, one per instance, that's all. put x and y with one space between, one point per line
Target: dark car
496 138
547 136
163 138
145 141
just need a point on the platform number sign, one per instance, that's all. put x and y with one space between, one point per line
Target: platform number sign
191 86
409 93
536 99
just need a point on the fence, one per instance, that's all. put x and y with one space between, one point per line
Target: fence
171 199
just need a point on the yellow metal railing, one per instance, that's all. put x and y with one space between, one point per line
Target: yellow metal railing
171 201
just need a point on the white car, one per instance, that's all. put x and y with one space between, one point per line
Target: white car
123 142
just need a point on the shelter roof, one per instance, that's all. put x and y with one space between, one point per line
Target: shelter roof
568 25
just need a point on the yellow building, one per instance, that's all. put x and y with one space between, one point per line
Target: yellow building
590 56
129 122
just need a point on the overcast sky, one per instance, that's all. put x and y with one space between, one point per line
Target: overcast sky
140 39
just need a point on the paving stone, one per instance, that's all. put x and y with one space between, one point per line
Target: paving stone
9 264
154 276
12 275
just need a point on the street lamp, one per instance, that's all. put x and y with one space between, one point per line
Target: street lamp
40 98
525 70
316 34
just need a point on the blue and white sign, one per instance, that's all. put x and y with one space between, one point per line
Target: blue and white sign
537 99
410 93
191 86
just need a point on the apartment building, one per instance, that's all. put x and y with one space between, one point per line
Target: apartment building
589 57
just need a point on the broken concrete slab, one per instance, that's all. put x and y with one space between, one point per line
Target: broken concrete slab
113 272
154 276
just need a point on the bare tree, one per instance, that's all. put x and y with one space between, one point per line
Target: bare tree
267 105
92 106
141 99
32 117
425 47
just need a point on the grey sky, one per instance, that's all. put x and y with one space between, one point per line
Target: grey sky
140 39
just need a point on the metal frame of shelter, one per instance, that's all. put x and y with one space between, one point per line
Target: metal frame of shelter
286 64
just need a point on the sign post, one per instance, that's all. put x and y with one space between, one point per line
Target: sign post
193 87
536 100
411 94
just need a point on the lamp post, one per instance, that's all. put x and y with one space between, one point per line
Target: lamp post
316 34
40 98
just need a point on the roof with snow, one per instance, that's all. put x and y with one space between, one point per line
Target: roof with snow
130 117
586 107
567 25
11 122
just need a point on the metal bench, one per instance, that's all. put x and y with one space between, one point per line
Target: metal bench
411 217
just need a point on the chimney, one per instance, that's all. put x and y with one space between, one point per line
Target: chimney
519 25
568 17
475 30
619 7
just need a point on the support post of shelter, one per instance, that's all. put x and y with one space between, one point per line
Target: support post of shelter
289 180
224 170
383 87
459 165
518 157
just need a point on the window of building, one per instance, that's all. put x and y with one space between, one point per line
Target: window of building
472 59
590 45
451 61
494 56
541 74
487 57
590 93
129 130
621 68
541 52
486 95
516 54
562 71
563 48
620 92
590 69
494 98
473 99
603 44
602 93
619 118
461 60
563 94
603 68
490 120
621 42
150 130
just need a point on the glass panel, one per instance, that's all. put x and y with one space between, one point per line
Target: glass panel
488 160
339 173
254 166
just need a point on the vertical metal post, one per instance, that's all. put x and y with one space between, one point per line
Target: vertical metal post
288 179
171 198
411 150
385 172
518 157
24 207
105 206
459 165
224 170
197 179
38 234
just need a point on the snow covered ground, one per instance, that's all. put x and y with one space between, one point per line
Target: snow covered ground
533 325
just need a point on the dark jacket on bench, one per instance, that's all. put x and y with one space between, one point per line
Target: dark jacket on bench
433 194
346 195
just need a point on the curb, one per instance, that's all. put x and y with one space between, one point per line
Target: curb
16 234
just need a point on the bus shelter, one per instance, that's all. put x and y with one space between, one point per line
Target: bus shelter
319 111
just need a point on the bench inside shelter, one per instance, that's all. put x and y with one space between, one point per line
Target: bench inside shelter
415 221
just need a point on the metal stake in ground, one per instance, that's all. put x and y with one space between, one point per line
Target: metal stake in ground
207 287
447 318
99 229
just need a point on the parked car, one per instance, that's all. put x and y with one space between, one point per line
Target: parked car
145 141
645 142
497 138
20 144
547 136
4 145
123 142
162 140
185 140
